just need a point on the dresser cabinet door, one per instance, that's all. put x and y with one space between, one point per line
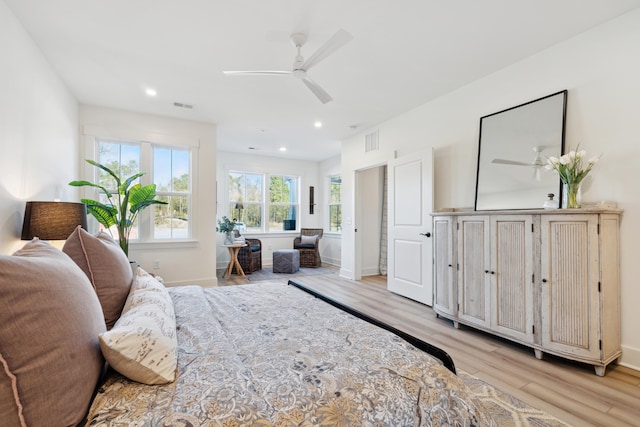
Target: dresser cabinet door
511 275
444 298
474 270
570 312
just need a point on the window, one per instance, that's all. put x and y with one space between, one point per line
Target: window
283 195
168 168
245 199
173 185
335 204
124 160
251 200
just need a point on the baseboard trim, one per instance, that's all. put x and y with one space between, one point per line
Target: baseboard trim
346 274
205 283
630 358
370 271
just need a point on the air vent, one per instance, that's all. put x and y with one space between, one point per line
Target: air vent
182 105
371 142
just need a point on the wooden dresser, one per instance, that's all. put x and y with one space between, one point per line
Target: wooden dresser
549 279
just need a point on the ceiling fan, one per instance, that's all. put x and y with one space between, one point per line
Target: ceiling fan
537 163
300 66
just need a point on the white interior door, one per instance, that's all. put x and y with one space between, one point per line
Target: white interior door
410 191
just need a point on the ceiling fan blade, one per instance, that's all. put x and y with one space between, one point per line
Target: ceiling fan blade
322 95
336 41
256 73
510 162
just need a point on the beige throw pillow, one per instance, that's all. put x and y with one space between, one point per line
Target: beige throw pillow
106 266
142 344
50 319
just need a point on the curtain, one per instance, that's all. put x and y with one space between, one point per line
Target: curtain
382 262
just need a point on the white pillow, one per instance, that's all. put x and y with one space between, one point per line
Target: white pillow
308 240
142 344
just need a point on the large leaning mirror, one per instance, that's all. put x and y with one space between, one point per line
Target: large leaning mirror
513 150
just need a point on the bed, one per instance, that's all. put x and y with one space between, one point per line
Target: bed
272 355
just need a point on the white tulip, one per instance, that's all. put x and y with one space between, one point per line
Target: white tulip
565 160
594 159
549 167
572 154
553 160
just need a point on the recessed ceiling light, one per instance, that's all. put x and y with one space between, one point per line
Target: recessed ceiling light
318 124
283 148
151 92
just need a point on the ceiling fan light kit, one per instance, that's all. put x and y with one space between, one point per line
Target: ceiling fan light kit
300 66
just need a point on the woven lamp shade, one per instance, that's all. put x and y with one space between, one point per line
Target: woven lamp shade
52 220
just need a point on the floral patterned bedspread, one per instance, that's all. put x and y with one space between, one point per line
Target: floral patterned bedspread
272 355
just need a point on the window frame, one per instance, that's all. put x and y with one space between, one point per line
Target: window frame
188 194
266 204
330 204
146 216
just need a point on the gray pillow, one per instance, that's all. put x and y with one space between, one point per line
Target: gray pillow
50 319
106 266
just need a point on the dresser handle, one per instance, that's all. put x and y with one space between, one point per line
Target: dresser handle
544 280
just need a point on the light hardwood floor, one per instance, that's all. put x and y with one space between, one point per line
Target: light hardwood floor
567 390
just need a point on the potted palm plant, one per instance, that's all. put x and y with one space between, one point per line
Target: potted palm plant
122 208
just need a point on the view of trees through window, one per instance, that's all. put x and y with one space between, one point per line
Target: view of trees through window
335 204
173 185
246 189
247 201
283 194
171 174
124 161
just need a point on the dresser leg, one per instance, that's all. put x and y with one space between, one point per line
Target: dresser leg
539 353
600 370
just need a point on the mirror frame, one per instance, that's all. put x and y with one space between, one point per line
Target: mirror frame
538 202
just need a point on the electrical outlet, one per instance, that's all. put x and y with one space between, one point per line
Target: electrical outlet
156 264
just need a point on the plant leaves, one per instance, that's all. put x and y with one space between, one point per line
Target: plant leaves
90 184
106 169
123 188
106 215
141 197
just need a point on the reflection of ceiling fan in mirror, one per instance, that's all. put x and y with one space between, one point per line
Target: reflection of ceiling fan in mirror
300 66
537 163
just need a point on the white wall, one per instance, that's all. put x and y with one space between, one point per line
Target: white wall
180 263
601 70
309 176
38 131
331 247
370 185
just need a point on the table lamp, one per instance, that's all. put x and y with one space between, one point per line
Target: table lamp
52 220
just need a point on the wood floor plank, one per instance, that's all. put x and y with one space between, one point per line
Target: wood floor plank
568 390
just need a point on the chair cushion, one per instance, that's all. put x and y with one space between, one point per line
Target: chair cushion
255 248
106 266
50 319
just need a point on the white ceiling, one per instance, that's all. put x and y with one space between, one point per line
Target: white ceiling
403 54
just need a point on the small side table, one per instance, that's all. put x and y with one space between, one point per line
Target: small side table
233 253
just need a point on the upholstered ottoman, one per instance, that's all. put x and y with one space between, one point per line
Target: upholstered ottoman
286 261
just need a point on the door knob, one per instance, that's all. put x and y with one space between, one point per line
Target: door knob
427 234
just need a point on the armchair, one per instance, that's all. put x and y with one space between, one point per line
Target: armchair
250 256
308 244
